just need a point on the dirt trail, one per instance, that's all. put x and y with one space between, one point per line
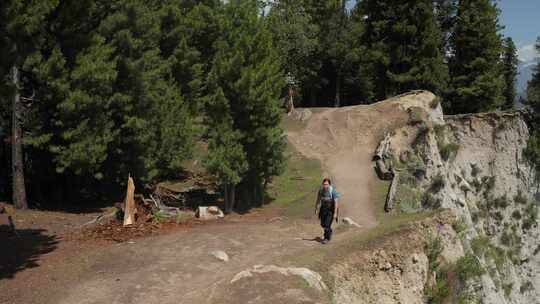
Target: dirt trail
344 140
179 268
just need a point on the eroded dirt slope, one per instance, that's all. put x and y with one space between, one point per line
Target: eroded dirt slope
344 139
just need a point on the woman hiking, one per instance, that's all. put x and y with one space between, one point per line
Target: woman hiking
326 207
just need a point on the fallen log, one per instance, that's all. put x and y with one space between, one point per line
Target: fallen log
163 209
99 218
382 148
382 171
389 204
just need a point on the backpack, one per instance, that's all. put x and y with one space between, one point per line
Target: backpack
333 193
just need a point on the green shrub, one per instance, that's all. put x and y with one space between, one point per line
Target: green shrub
459 226
468 267
475 216
408 199
531 216
489 182
480 245
157 217
415 169
435 102
475 170
433 248
507 289
520 199
499 202
417 115
532 151
528 223
498 216
439 131
516 215
430 202
467 298
527 286
443 287
510 239
448 151
498 256
477 185
421 136
437 183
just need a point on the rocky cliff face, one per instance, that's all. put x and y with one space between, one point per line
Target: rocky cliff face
474 166
496 193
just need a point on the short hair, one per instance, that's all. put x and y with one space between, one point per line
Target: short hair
326 179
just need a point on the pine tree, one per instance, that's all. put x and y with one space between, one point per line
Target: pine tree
357 79
248 81
477 81
295 36
226 157
532 152
533 89
510 63
445 14
22 31
405 47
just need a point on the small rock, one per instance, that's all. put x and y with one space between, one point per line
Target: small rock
220 255
209 213
415 258
349 221
385 266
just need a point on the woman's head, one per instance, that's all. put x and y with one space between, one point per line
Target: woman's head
326 182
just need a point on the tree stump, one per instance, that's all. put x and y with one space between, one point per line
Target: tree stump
130 210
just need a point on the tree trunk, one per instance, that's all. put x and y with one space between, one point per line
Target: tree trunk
312 98
290 101
226 198
232 192
337 101
19 189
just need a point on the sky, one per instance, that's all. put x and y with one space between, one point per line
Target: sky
521 19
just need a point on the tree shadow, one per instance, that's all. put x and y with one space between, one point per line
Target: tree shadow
22 249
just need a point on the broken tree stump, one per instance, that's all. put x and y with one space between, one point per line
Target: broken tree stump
389 205
129 203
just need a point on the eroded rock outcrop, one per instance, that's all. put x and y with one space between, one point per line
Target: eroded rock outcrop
474 166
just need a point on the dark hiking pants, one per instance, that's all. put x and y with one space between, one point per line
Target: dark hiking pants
327 217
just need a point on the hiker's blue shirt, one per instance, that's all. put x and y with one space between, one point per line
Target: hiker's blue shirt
331 193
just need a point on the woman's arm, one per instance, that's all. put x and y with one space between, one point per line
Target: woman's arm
317 202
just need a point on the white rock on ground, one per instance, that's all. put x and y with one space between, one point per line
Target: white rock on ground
349 221
313 279
209 213
220 255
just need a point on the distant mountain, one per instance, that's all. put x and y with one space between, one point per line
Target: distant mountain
525 71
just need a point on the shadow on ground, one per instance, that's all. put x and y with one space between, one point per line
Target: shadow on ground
22 250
